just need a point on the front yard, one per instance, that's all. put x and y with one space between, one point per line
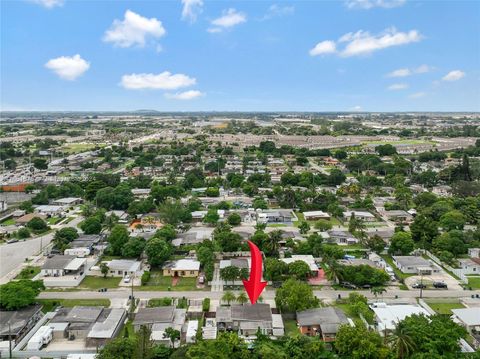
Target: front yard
474 282
92 282
160 282
445 308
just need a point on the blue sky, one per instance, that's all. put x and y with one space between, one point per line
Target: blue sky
194 55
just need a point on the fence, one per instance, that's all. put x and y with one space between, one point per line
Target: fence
456 271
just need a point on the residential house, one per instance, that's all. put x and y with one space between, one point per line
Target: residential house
23 220
285 216
146 223
388 316
63 271
50 210
474 252
469 266
415 265
315 215
398 216
470 319
67 201
323 322
306 258
246 319
362 215
181 268
96 324
122 268
15 324
341 237
83 246
158 319
141 193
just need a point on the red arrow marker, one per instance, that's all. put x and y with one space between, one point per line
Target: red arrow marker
254 285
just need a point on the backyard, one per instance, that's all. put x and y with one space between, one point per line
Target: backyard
291 328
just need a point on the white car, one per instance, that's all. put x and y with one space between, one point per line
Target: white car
126 279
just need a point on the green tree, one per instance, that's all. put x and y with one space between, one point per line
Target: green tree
63 237
228 297
323 225
230 273
226 346
172 334
304 227
91 225
23 233
359 343
299 270
144 347
401 341
376 244
234 219
158 251
242 298
117 239
173 212
275 269
168 232
133 248
295 295
120 348
272 243
211 217
37 225
401 243
452 220
19 294
104 269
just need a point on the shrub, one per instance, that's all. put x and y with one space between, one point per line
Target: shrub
206 305
145 277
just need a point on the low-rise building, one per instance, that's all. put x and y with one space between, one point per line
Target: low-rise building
315 215
123 268
63 271
306 258
15 324
50 210
68 201
415 265
181 268
324 322
470 319
362 215
388 316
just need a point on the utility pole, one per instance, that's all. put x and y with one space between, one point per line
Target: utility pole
10 340
421 285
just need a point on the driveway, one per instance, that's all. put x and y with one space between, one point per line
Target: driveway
451 282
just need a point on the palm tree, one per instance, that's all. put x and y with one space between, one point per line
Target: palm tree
333 271
377 290
401 341
242 298
272 243
228 297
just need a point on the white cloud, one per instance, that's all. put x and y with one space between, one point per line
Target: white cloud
324 47
134 29
278 11
363 43
68 68
191 9
408 72
368 4
48 3
417 95
454 75
229 19
186 95
162 81
400 73
356 108
396 87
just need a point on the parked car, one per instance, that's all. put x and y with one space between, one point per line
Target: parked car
126 279
419 286
348 285
440 285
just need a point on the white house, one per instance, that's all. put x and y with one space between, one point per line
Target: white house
50 210
363 215
387 316
63 271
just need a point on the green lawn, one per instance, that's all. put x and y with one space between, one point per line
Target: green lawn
445 308
474 282
28 272
277 225
53 220
8 222
291 328
51 304
160 282
91 282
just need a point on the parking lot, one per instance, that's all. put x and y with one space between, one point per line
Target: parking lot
428 280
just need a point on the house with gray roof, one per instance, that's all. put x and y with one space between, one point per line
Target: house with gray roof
15 324
324 322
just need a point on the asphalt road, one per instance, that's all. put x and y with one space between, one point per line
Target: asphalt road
268 294
14 254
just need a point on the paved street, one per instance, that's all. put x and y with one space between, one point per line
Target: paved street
268 294
14 254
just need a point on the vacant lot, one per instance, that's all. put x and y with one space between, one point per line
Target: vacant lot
445 308
91 282
51 304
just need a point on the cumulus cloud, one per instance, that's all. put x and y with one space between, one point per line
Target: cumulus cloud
68 68
276 10
454 75
418 95
368 4
404 72
324 47
186 95
363 43
48 3
134 29
396 87
191 9
229 19
162 81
